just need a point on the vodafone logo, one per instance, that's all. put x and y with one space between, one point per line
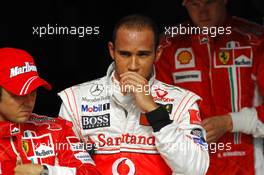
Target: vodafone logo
123 166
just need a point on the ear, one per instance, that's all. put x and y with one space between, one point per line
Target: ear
111 49
158 52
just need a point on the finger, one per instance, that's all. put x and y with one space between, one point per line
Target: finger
130 86
137 88
135 76
208 127
206 121
210 137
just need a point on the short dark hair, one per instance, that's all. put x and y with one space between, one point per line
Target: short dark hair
137 21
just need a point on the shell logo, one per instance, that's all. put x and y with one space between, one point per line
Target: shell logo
184 57
123 166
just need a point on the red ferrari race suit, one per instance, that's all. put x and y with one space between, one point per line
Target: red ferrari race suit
46 141
123 135
227 71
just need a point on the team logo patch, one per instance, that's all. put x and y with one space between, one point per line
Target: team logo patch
25 146
224 58
237 57
99 121
184 58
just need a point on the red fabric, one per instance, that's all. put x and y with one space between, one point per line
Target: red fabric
41 140
18 72
209 76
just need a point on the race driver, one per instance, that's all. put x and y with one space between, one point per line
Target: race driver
226 70
31 144
138 124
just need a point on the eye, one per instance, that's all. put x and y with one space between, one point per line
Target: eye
144 54
124 54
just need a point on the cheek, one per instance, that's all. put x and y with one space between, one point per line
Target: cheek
147 68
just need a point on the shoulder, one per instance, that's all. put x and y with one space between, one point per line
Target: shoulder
53 123
175 37
176 100
176 93
253 31
247 26
87 87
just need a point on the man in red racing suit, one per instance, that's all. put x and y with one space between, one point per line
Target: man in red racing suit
227 71
32 144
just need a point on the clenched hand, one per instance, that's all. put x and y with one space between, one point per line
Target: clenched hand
137 85
216 127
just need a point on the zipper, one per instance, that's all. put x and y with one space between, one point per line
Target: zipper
210 67
19 160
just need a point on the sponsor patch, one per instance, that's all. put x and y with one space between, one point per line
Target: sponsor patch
243 56
39 147
187 76
14 129
238 57
99 121
184 58
161 93
96 99
123 164
96 89
195 117
75 144
84 157
197 136
200 141
203 39
197 132
95 108
28 67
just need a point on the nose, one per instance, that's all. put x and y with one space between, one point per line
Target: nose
203 9
133 64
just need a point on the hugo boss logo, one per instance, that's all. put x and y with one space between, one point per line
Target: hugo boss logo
99 121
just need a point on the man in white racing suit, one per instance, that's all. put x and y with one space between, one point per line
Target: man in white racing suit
138 124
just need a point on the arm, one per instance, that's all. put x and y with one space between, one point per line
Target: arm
181 144
69 111
251 120
183 150
72 155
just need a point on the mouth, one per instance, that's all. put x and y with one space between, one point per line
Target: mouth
26 111
205 20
